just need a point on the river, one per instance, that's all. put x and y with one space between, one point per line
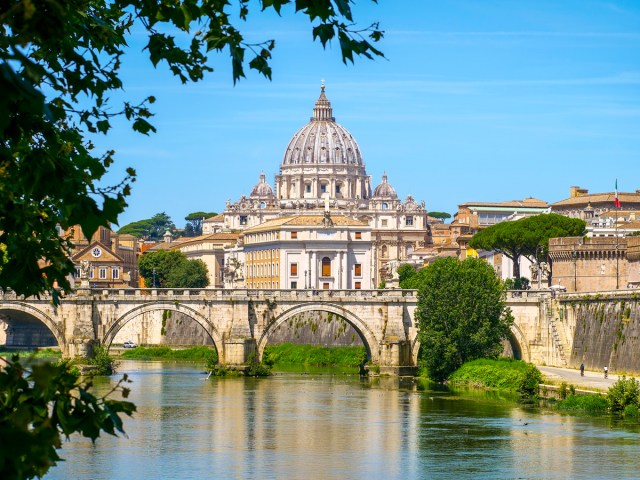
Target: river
307 426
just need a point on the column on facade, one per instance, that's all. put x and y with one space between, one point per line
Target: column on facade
332 188
344 269
313 270
358 188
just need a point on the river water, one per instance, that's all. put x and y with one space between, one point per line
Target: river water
307 426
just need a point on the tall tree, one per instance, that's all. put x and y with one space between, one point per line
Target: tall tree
193 228
172 269
59 68
461 314
440 215
150 228
528 236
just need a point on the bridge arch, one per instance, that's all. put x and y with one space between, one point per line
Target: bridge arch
521 342
39 315
516 336
369 339
128 316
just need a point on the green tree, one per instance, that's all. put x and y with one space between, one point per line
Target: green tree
193 228
39 406
151 228
189 274
59 69
172 269
440 215
461 314
406 273
526 237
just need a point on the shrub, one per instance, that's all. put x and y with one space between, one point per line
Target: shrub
530 381
631 411
105 364
625 392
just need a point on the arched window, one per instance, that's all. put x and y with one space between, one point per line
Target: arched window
385 206
326 267
383 251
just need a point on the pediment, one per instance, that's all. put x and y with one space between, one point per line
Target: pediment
96 252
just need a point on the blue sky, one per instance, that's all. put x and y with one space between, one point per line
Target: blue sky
476 101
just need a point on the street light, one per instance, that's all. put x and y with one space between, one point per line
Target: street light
305 279
154 277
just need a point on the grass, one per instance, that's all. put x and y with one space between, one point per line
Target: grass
192 354
501 374
290 354
38 353
583 404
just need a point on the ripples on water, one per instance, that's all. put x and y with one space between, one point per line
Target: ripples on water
295 426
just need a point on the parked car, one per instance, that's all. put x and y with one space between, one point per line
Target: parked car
129 344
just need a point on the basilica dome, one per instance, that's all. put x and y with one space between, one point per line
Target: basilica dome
262 188
322 140
385 190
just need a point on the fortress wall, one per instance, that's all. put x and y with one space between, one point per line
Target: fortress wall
607 331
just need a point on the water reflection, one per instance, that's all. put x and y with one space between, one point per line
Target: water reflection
337 426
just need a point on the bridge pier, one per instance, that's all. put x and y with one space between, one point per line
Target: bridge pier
238 350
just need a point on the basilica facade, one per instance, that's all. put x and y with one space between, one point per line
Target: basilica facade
323 174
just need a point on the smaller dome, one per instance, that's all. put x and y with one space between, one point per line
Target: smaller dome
385 189
262 188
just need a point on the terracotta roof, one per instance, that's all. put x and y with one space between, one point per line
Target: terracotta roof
598 198
216 218
527 202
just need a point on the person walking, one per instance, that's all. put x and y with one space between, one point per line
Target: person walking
606 372
582 369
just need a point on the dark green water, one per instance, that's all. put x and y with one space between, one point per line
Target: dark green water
307 426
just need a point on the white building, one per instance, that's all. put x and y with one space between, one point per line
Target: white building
307 251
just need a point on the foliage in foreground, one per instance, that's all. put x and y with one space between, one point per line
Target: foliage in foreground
461 314
41 405
504 374
314 355
200 353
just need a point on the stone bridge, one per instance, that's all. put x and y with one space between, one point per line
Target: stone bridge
240 322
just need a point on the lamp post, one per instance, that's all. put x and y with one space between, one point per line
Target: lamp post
305 279
154 277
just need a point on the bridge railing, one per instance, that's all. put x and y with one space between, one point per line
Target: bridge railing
248 293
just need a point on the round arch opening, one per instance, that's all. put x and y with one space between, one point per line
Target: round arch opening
28 329
314 324
163 325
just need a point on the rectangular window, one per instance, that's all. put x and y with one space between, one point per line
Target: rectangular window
294 269
409 221
115 273
102 273
294 235
77 275
358 269
358 285
243 219
323 188
308 187
325 285
294 285
337 188
384 222
358 235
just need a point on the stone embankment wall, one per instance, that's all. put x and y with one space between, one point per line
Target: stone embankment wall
605 331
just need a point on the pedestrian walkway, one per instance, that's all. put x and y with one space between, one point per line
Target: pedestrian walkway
591 380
